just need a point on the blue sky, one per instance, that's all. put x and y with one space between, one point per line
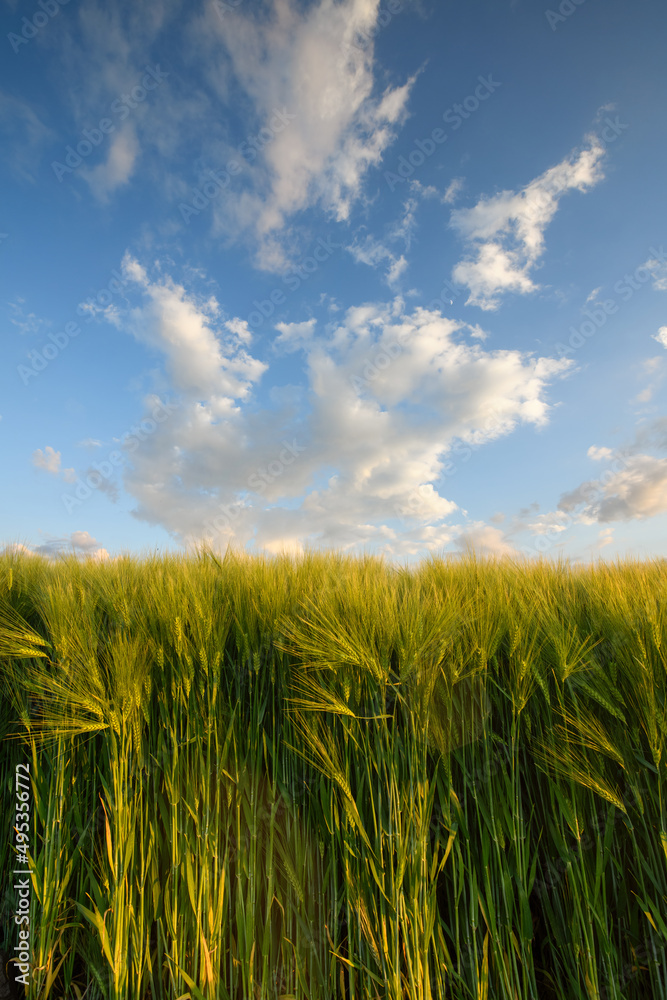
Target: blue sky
385 277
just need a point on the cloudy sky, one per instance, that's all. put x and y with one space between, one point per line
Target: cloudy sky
373 276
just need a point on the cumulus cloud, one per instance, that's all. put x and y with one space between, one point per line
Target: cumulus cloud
477 331
202 361
661 336
340 463
633 487
505 232
292 336
486 541
81 543
636 491
17 548
305 61
49 460
554 521
597 454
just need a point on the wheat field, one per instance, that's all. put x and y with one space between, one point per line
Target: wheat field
331 777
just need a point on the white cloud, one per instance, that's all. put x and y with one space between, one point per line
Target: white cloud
17 547
292 336
28 323
505 232
656 367
49 460
554 521
374 253
81 543
638 491
659 271
305 62
453 190
594 294
292 69
651 365
606 537
102 61
598 454
486 541
396 270
240 328
495 270
201 363
661 336
370 252
84 542
423 191
477 332
345 471
633 488
106 177
403 229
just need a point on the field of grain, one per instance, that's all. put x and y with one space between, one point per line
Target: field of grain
330 777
